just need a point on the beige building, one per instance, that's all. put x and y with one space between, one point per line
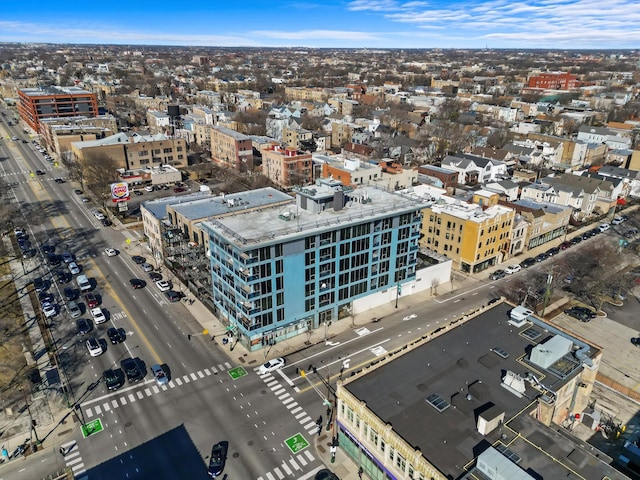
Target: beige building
133 151
307 94
546 221
287 167
297 138
474 235
231 149
58 134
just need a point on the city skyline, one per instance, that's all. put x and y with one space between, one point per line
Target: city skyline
557 24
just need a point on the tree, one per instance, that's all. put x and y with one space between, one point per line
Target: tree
98 172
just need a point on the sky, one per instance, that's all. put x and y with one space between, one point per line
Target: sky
380 24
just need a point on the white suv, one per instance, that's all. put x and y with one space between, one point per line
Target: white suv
98 315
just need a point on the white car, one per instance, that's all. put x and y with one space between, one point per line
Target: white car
147 267
94 347
111 252
511 269
98 214
604 227
74 268
617 220
49 309
271 365
98 315
163 285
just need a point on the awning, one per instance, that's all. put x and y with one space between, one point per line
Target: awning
621 201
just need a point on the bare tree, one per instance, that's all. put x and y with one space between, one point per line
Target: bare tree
98 172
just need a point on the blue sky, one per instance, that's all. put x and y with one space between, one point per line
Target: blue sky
329 23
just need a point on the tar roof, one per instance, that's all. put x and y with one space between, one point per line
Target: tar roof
453 365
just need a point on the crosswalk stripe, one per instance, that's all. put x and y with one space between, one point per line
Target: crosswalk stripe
302 460
227 365
286 468
292 404
68 444
155 389
140 395
200 374
73 461
132 398
272 382
301 414
186 379
215 370
278 473
77 467
310 426
279 390
309 455
295 410
281 397
106 407
294 464
178 381
207 371
148 392
194 376
88 412
123 400
270 476
80 472
289 399
164 387
114 403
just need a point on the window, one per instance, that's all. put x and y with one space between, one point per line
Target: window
392 453
401 463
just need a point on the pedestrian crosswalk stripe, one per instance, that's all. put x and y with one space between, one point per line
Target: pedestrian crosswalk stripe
286 468
114 403
311 426
301 459
106 407
148 392
215 370
292 404
140 395
73 461
301 414
194 376
200 374
278 473
207 371
155 389
227 365
296 410
132 398
293 463
282 397
185 379
88 412
178 381
123 400
270 476
309 455
287 400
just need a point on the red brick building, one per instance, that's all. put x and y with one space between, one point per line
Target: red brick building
554 81
35 104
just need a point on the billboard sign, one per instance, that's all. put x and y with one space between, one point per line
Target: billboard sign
120 192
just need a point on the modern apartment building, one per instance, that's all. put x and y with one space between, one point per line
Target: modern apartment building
36 104
281 272
474 235
231 149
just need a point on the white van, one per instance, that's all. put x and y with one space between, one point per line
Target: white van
83 283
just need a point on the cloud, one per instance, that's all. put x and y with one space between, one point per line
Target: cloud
315 34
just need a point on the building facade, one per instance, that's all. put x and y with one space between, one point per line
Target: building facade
336 245
231 149
286 167
553 81
36 104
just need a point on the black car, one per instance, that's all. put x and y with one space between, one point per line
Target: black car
552 251
106 222
635 341
575 240
40 172
54 259
138 259
583 314
116 335
83 325
63 277
172 296
59 180
46 297
497 275
218 458
39 285
131 368
528 262
136 283
541 257
78 192
70 293
47 249
325 474
113 379
155 276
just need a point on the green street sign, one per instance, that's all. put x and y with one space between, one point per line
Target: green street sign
94 426
297 443
236 373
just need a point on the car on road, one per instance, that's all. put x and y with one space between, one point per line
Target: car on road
155 276
85 200
106 222
113 379
178 190
138 259
497 275
604 227
163 285
617 220
74 269
131 368
172 296
78 192
271 365
67 257
552 251
40 172
218 459
136 283
73 309
49 309
511 269
147 267
116 335
325 474
635 341
83 326
94 347
583 314
138 192
98 214
159 375
70 293
528 262
98 315
59 180
111 252
632 232
39 285
148 188
92 300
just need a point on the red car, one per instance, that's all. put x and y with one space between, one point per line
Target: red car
92 300
178 190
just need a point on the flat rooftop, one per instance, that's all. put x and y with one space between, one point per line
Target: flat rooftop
269 225
461 368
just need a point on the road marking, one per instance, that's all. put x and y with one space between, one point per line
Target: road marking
378 351
362 331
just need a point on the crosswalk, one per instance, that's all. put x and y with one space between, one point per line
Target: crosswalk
135 393
287 400
73 460
290 466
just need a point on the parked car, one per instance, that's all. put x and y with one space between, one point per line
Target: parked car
566 244
218 459
92 300
98 315
583 314
94 347
147 267
136 283
83 326
163 285
70 293
172 296
497 275
49 309
74 269
73 309
155 276
325 474
635 341
111 252
528 262
39 285
63 277
178 190
511 269
138 259
604 227
617 220
67 257
271 365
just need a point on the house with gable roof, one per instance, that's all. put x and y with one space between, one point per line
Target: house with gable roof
474 170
